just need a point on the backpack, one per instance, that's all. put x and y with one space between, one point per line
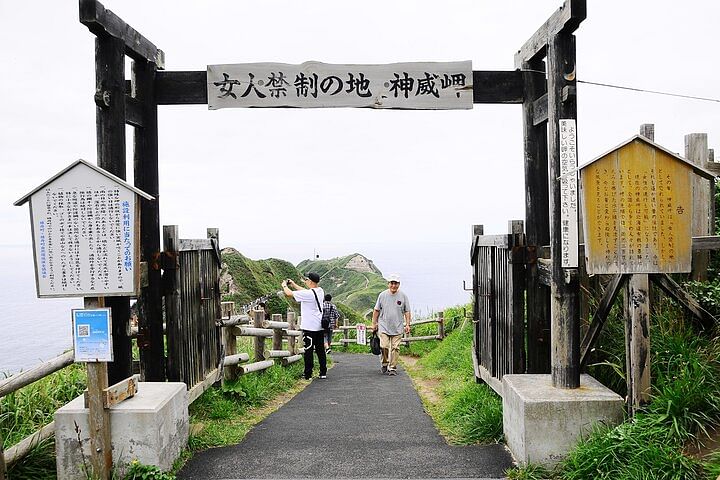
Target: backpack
326 316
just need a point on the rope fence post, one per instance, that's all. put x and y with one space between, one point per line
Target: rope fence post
441 324
292 343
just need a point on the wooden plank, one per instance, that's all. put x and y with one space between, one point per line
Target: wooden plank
696 151
492 382
497 87
21 379
233 320
234 359
288 360
669 286
566 20
145 171
540 111
25 446
276 353
190 87
710 242
255 367
637 314
99 421
192 244
171 282
197 390
493 241
606 302
120 391
565 288
537 223
274 324
292 343
103 22
516 297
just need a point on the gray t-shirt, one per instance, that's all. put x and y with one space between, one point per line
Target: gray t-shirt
392 309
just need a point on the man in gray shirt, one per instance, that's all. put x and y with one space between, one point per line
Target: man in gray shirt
391 313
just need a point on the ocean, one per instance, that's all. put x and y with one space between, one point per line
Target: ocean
36 330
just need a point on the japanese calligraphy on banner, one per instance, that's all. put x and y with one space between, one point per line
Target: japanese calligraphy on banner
430 85
85 234
568 193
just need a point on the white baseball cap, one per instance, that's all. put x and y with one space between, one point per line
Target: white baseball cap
394 277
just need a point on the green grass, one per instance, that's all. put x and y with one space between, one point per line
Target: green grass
466 412
32 407
685 403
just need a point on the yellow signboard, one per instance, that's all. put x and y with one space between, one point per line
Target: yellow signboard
637 203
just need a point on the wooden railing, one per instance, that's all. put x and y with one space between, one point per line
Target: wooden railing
346 328
255 325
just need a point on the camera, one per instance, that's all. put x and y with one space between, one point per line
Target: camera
288 281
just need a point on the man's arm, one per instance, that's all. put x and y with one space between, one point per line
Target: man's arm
286 287
407 322
376 314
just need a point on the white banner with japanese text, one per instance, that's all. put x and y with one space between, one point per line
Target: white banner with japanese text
569 193
416 85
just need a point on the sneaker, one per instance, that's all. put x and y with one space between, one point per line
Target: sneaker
323 376
392 371
384 369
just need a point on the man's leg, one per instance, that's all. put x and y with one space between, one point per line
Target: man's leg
385 348
308 353
394 351
320 349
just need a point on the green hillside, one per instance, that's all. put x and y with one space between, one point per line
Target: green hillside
352 280
243 280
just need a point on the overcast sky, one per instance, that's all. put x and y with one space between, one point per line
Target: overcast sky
389 177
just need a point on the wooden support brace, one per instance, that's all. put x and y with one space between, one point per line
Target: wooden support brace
606 302
669 286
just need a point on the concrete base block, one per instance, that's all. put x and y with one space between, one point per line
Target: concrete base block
542 423
151 427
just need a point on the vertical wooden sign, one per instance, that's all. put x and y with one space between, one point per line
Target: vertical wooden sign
568 193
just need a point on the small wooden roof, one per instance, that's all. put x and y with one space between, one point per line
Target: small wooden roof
700 171
109 175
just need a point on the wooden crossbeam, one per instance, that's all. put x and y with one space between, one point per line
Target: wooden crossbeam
566 19
190 88
104 22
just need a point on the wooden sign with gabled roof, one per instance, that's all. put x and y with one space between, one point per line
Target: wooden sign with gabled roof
637 209
85 233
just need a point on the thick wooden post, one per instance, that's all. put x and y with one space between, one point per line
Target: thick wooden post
150 319
441 324
292 343
565 291
637 319
536 218
98 416
171 280
110 120
259 342
696 151
3 466
277 333
475 231
346 334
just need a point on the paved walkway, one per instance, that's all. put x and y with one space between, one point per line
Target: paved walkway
357 423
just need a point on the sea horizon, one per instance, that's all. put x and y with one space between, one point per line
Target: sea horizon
39 329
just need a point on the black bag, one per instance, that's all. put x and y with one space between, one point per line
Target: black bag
325 322
375 344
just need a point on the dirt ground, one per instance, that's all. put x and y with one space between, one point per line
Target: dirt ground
426 387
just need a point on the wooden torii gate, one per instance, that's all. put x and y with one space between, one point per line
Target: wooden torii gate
545 102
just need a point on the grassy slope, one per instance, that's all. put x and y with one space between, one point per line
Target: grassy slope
357 290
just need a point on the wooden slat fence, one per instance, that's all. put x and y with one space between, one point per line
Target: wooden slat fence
192 307
498 285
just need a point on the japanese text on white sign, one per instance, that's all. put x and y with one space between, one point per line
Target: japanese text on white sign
314 84
568 193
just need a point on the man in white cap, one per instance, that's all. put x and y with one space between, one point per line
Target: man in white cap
391 316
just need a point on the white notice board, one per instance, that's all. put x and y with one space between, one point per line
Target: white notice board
85 229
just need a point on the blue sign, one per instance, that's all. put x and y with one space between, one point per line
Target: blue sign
92 335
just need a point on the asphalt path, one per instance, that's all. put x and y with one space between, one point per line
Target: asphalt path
357 423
